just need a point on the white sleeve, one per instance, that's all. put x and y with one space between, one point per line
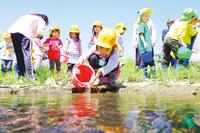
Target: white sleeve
87 54
66 45
135 34
113 62
153 32
41 25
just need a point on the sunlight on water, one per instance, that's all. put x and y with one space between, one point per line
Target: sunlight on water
98 113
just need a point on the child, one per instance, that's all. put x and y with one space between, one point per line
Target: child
104 57
136 38
120 29
97 27
54 44
7 54
37 50
179 34
73 47
145 43
164 33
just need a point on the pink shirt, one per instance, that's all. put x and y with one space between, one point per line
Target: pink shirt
55 42
92 40
54 50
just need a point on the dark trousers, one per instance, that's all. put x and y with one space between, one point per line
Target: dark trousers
137 57
22 47
6 65
70 67
168 46
52 64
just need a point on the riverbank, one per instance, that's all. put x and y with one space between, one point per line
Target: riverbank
183 88
169 82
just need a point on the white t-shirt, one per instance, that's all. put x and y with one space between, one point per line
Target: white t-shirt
28 25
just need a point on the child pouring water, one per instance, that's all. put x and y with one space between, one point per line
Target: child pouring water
145 43
104 57
54 44
72 48
97 27
7 54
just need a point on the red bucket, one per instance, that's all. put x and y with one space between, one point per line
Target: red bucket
82 75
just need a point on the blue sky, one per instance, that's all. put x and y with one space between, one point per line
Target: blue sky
83 12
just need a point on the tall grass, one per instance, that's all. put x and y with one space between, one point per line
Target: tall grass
129 73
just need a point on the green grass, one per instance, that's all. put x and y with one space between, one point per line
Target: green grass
128 74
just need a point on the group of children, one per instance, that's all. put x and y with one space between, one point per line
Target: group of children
70 52
178 40
106 46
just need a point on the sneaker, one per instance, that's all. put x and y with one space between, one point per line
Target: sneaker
146 76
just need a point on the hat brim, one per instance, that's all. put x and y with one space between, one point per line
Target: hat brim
146 11
185 19
54 28
74 31
101 44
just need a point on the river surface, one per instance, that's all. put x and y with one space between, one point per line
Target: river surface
98 113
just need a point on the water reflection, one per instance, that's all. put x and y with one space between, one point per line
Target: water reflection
99 113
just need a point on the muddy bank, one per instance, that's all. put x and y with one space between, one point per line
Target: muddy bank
141 88
173 88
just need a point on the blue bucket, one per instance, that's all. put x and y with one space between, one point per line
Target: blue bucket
147 57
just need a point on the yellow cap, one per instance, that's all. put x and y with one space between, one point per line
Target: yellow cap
106 38
98 23
5 35
145 11
74 29
54 28
142 12
120 27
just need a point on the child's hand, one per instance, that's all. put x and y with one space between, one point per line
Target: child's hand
145 45
135 45
80 61
98 74
154 44
9 37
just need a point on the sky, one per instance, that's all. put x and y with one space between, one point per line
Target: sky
83 13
